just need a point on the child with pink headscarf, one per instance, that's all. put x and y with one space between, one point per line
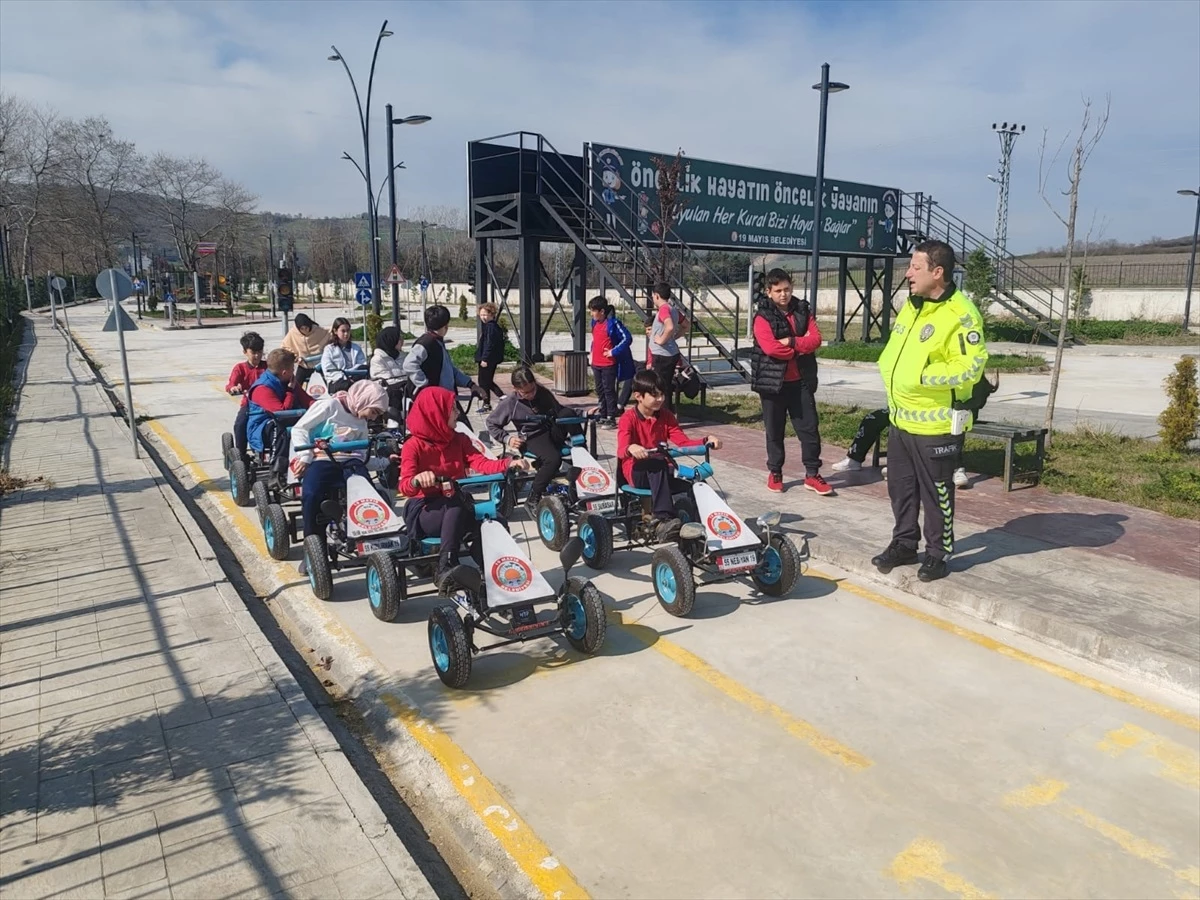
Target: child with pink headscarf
339 417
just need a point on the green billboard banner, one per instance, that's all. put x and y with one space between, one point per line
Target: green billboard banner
738 207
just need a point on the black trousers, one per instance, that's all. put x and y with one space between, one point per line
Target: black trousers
239 428
450 518
665 367
873 424
606 390
921 479
655 474
623 395
487 380
548 449
795 402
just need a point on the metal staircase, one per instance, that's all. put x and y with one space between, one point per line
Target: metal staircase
612 246
1021 289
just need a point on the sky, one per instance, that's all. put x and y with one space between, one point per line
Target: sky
248 86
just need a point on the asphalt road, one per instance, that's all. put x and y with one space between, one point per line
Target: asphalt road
843 741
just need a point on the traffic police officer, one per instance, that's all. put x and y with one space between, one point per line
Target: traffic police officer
933 360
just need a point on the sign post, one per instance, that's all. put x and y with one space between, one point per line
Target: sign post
284 294
28 296
59 284
50 295
196 290
115 285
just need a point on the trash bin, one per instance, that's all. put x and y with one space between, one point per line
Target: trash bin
570 372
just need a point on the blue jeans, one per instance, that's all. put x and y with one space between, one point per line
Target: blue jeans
321 481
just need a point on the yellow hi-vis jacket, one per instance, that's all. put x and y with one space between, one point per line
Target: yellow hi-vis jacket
934 357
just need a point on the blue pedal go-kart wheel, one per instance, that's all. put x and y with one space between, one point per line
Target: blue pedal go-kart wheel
779 569
584 621
595 533
383 587
275 532
553 522
671 574
448 646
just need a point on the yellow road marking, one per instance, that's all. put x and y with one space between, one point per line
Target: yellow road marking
1048 792
549 876
796 727
1108 690
925 860
1178 763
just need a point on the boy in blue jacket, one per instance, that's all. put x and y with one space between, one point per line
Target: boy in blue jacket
612 360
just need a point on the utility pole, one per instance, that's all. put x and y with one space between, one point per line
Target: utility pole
1008 133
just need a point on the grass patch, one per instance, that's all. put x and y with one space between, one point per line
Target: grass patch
1095 331
10 345
463 356
856 351
1088 462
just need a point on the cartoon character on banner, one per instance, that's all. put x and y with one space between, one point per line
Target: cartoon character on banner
610 178
890 202
643 212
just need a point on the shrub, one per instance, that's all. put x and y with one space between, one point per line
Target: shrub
1177 423
374 326
462 307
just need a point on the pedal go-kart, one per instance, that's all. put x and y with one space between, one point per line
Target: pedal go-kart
245 472
561 484
720 546
281 519
597 506
502 601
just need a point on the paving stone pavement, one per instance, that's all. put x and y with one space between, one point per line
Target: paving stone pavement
152 742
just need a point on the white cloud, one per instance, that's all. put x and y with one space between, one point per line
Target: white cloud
247 85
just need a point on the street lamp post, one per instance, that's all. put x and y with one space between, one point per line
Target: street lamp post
826 87
392 123
1187 301
364 121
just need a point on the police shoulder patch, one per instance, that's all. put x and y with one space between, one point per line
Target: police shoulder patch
926 332
973 337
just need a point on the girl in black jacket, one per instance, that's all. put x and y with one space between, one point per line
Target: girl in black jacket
489 353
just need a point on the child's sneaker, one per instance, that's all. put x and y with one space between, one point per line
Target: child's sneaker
485 408
960 478
775 482
818 485
847 465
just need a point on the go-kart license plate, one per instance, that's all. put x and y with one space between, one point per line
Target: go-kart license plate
737 562
391 543
602 506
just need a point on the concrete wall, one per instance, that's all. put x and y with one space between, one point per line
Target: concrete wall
1154 304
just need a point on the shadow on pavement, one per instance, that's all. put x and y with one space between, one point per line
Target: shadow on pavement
1037 532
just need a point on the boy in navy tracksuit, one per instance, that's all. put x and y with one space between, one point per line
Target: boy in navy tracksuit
489 353
612 360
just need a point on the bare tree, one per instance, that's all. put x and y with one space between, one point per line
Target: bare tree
1091 129
37 148
671 204
194 201
101 169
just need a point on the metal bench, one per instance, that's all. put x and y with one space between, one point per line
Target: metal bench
1010 435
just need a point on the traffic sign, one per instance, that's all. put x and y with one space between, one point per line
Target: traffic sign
58 283
394 276
363 296
137 284
118 317
170 298
311 284
362 280
104 285
424 283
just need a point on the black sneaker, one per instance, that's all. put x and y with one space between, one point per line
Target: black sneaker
667 530
932 569
485 408
893 556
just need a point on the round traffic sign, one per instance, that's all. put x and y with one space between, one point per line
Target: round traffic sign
311 284
104 283
58 283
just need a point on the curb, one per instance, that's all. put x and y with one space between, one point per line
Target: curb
1127 657
355 675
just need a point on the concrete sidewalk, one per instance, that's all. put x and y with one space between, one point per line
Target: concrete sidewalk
152 742
1111 583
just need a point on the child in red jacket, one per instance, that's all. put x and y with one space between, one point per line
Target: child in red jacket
241 379
641 429
433 451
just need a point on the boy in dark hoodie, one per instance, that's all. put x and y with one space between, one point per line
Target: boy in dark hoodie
528 398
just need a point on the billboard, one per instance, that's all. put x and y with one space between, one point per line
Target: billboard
738 207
